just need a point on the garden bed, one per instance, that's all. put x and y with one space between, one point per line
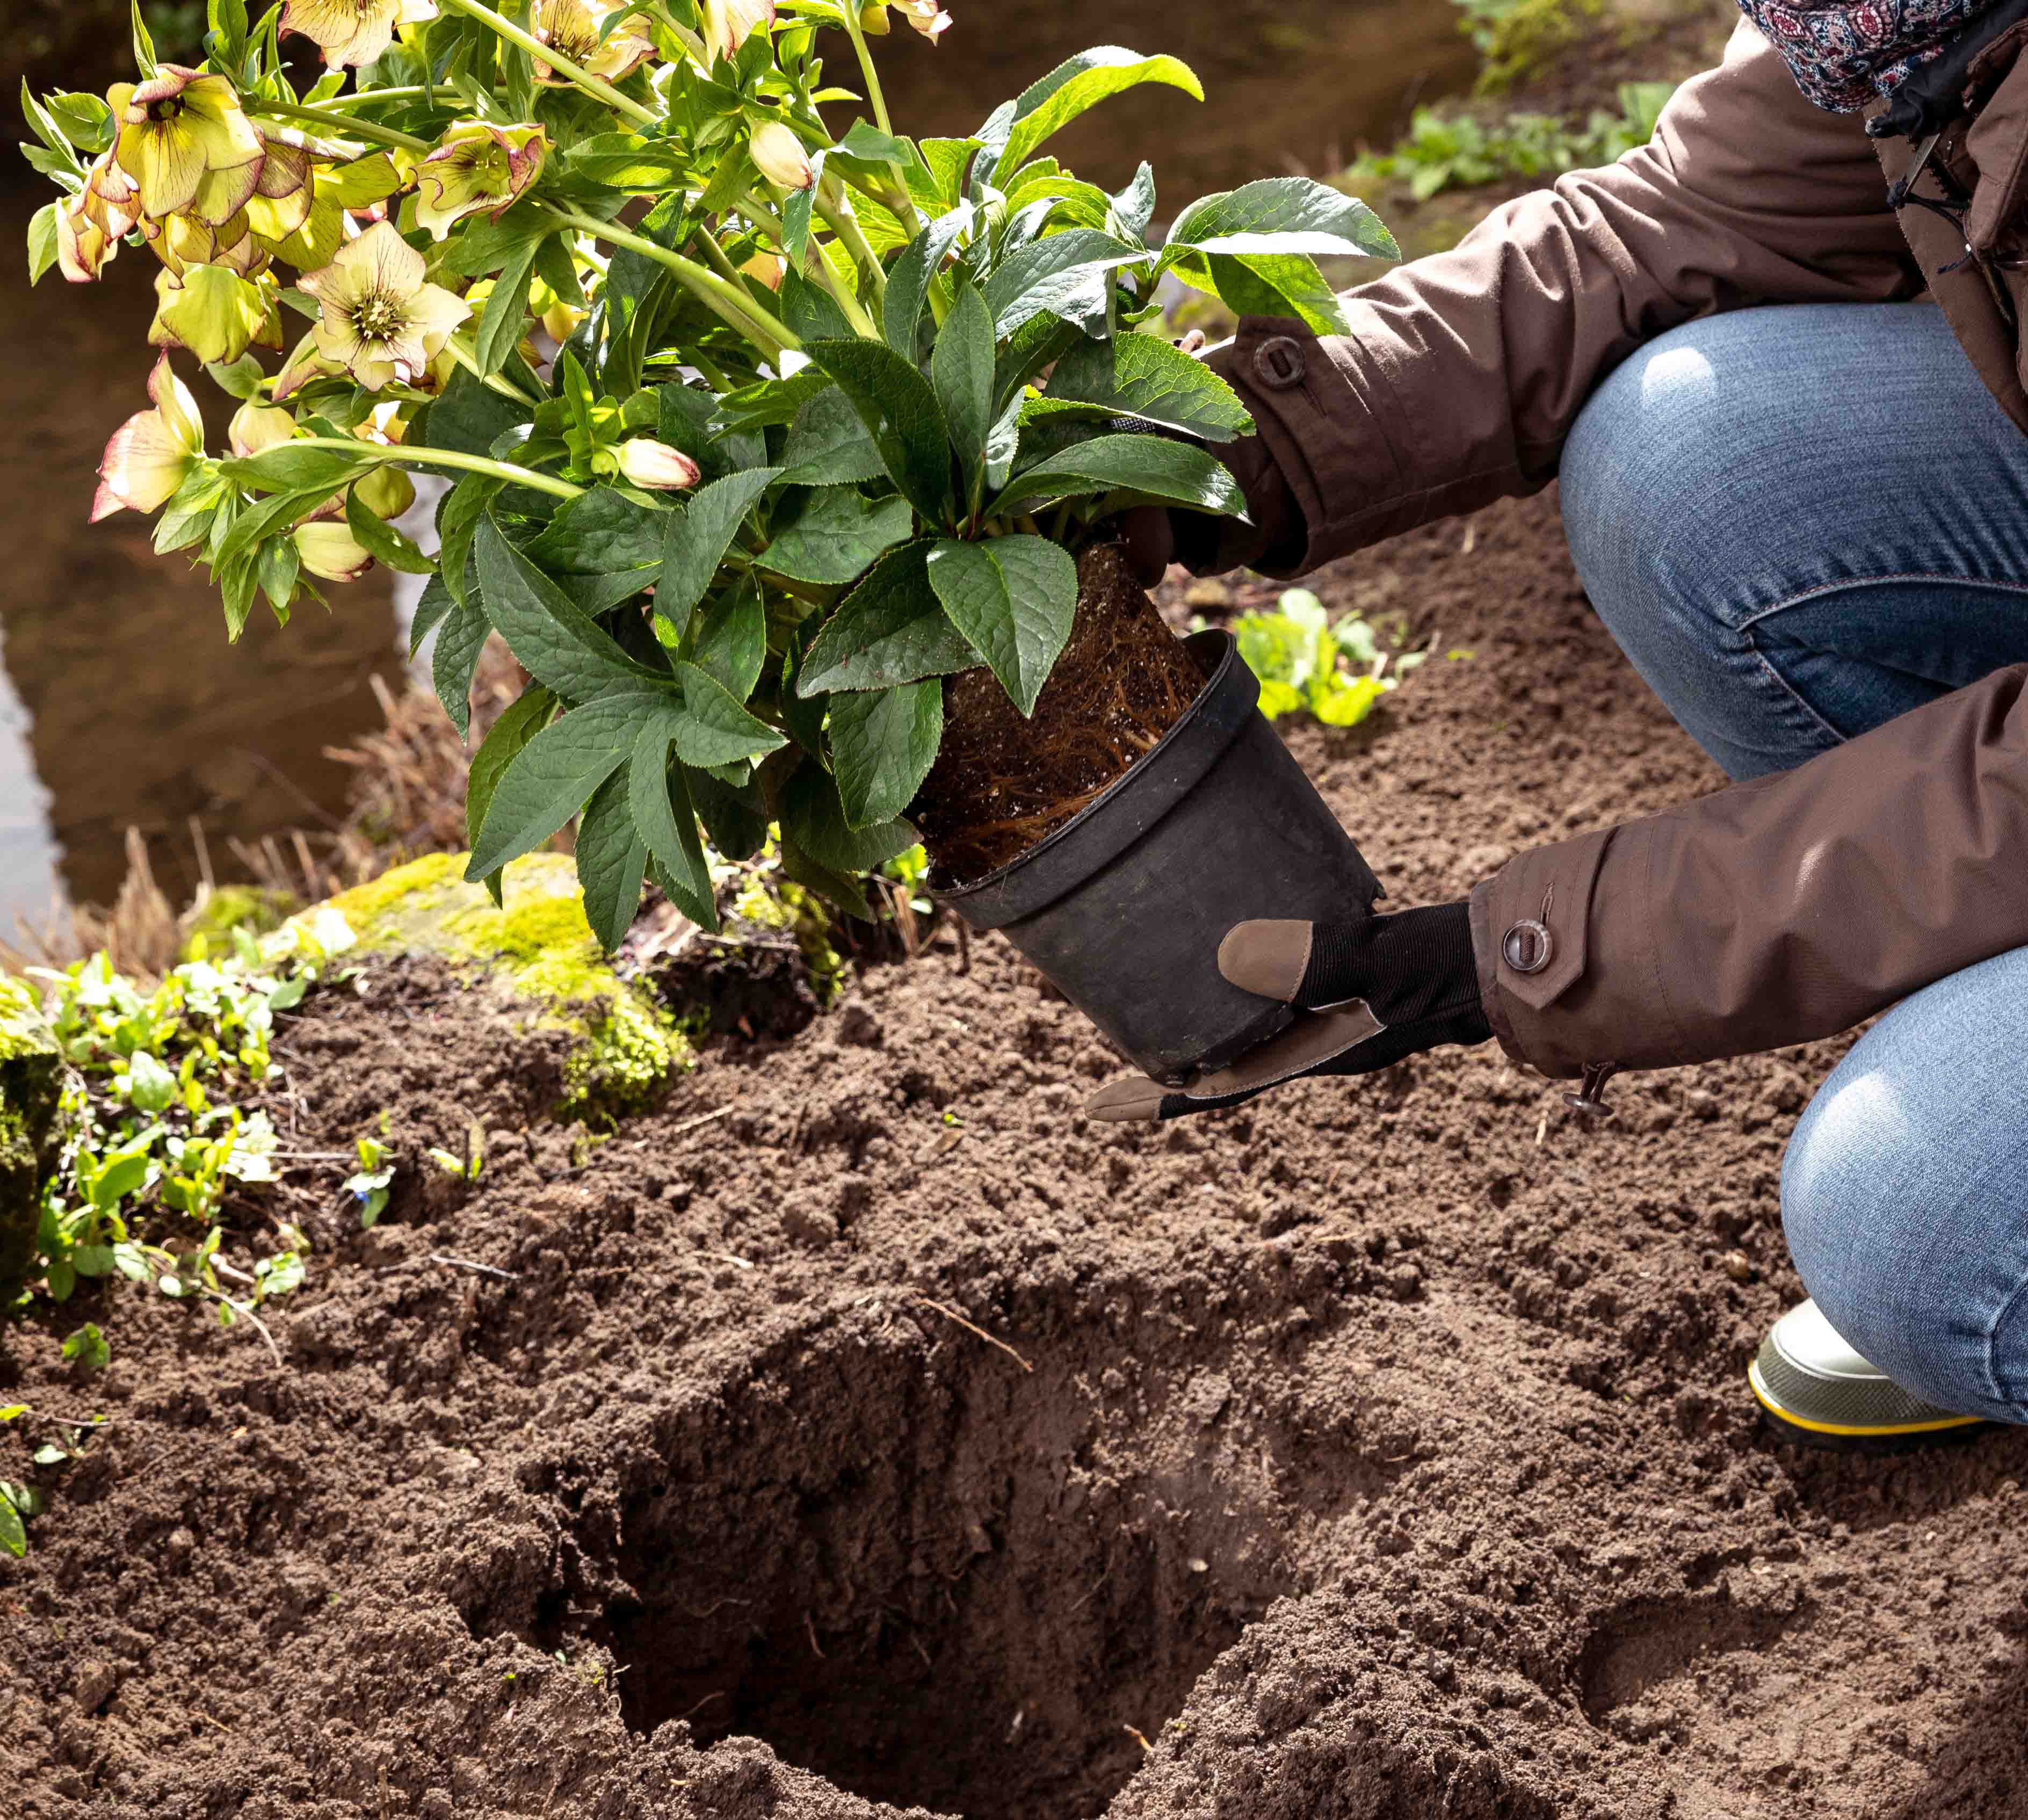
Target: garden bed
1380 1449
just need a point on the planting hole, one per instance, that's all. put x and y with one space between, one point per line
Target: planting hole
935 1580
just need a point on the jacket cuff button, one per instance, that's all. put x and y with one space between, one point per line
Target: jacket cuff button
1527 946
1280 363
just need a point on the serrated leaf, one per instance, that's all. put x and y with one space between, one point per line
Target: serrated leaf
293 467
837 537
1267 284
555 642
882 744
460 637
899 407
813 819
1178 473
660 805
1282 214
507 740
1014 599
908 283
599 532
611 862
1144 375
713 728
731 642
697 538
834 888
829 445
734 820
1080 83
1134 206
890 630
380 539
556 774
961 370
500 323
1064 275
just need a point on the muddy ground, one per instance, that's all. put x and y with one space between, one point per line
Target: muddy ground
897 1437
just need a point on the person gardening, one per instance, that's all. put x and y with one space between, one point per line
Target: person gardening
1775 359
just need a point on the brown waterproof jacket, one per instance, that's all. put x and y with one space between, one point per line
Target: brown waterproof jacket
1774 911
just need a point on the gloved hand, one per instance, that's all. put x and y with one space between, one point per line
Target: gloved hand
1367 993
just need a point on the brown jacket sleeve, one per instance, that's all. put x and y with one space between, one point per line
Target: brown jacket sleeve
1464 371
1776 911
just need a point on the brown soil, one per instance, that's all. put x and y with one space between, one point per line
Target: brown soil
1378 1450
1001 782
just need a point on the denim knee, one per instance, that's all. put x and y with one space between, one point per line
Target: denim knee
1902 1194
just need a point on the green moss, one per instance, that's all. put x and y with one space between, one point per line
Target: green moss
537 943
769 901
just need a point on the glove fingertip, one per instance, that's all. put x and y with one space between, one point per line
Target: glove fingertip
1124 1101
1266 957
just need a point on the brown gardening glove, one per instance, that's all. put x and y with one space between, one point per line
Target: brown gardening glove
1366 994
1273 536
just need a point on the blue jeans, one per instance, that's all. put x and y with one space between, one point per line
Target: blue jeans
1799 522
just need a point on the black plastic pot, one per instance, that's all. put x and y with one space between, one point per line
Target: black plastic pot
1122 908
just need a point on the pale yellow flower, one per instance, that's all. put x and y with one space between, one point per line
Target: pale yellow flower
185 144
354 32
779 156
649 464
380 317
926 15
573 28
152 452
728 24
214 312
91 224
478 166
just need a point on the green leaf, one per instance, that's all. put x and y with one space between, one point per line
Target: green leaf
1178 473
144 46
622 161
813 819
150 1087
500 324
961 370
713 728
87 1347
834 888
731 642
600 532
1145 375
42 242
697 538
457 522
837 536
1064 275
1080 83
1282 214
510 739
829 445
380 539
897 406
556 774
1267 284
13 1534
661 811
734 820
292 467
882 744
455 660
471 416
612 863
1134 206
890 630
908 282
1014 598
556 643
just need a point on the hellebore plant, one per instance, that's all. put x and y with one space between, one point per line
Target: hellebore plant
758 431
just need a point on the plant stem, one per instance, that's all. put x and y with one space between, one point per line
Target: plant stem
592 85
857 244
444 458
731 305
338 122
359 96
770 223
856 33
469 359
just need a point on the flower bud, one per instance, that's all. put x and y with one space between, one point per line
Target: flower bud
330 552
780 157
387 492
256 426
649 464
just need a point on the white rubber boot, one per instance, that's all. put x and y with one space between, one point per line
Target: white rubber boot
1815 1389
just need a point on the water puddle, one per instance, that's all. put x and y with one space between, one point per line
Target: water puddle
121 702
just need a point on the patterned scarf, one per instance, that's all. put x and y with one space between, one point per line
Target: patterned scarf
1842 56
